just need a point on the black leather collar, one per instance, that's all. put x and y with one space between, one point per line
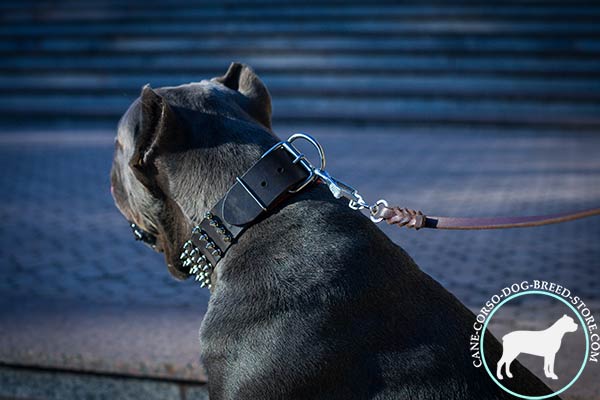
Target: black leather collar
281 171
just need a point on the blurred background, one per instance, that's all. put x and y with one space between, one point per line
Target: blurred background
461 108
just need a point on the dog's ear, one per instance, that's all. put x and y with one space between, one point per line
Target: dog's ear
242 78
158 133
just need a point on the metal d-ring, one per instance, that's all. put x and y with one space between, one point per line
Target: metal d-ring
300 158
312 141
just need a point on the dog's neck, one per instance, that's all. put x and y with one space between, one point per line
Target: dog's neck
221 149
217 169
557 327
280 171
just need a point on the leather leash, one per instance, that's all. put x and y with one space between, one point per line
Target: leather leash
417 220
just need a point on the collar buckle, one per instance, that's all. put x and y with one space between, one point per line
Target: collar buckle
301 158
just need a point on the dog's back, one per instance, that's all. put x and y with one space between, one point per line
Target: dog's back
316 302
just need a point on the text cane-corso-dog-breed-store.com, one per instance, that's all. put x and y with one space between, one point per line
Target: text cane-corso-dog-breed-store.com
309 300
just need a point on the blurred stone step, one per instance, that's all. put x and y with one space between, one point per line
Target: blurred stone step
278 12
383 28
314 63
566 47
74 12
33 4
417 63
336 110
363 87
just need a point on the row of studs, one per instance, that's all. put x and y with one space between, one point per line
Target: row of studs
194 258
221 230
198 264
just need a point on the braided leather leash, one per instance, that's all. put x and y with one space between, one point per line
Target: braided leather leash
417 220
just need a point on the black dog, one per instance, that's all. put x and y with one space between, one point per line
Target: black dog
313 301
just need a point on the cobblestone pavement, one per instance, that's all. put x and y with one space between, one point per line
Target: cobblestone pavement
64 243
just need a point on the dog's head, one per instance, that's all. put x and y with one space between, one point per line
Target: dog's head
567 323
178 149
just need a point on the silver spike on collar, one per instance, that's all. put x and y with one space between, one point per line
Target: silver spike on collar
199 266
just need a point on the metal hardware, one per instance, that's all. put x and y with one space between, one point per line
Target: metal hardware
340 189
374 209
312 141
300 157
337 188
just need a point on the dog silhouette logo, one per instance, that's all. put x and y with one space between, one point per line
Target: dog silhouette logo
544 343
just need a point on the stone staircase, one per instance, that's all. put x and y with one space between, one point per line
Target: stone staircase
467 64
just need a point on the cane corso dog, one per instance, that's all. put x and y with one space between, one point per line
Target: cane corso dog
313 301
